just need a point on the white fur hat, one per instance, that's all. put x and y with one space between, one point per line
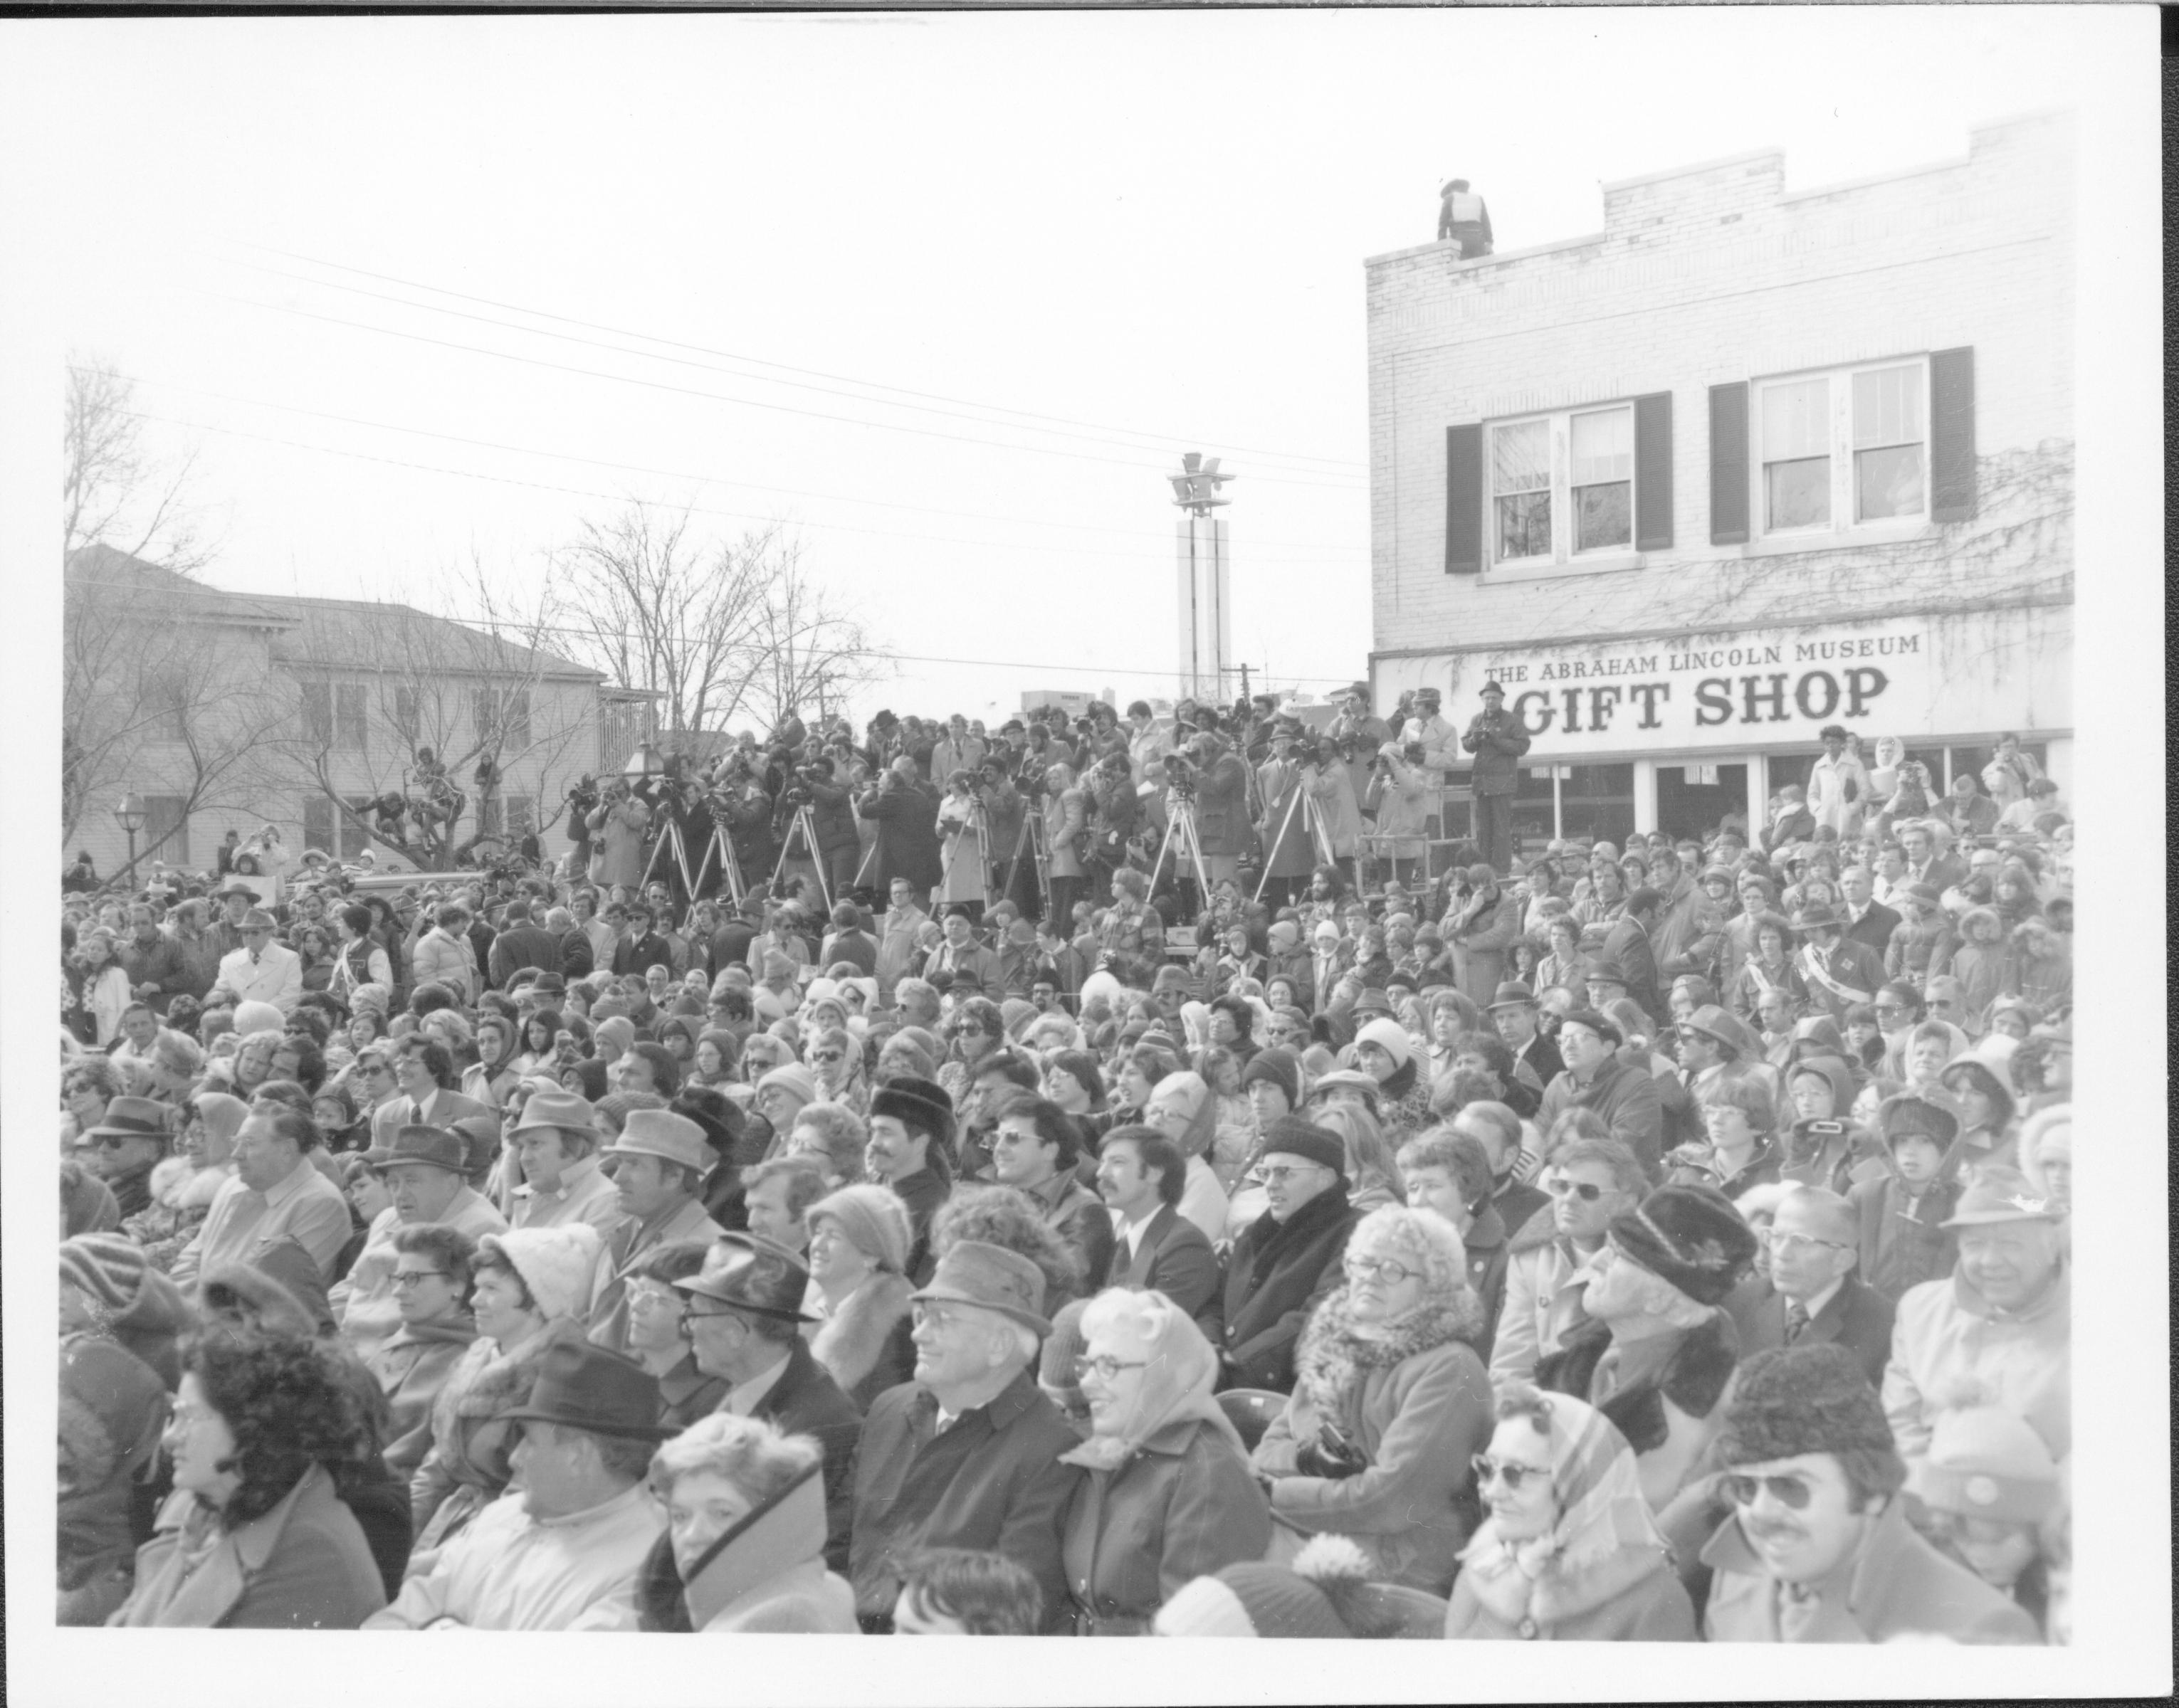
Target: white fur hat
556 1264
256 1017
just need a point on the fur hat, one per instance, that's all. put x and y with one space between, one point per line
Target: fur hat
1690 1236
1796 1400
257 1016
556 1264
1985 1462
1293 1136
922 1104
794 1078
875 1220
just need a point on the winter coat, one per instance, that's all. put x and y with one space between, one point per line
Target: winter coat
468 1465
1184 1507
616 836
1632 1596
908 838
1221 807
1545 1280
1902 1240
1666 1411
1897 1587
1337 809
1625 1097
303 1565
1401 796
1857 1316
412 1366
1066 816
113 1409
1274 1275
992 1480
766 1574
1279 785
805 1400
1479 947
863 1343
1947 1338
1419 1408
1497 745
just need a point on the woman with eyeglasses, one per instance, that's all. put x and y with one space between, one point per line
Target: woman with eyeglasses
431 1292
1568 1552
1168 1497
1390 1403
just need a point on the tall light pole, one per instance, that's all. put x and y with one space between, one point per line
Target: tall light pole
132 813
1204 578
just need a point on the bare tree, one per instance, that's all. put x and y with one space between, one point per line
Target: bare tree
711 630
115 491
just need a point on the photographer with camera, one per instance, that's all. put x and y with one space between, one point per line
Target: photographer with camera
907 820
1282 780
1006 807
1497 739
579 803
816 784
617 826
741 806
1401 794
1067 836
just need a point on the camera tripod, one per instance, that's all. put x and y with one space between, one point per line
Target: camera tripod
1032 839
804 826
1180 839
669 836
1319 837
720 850
975 823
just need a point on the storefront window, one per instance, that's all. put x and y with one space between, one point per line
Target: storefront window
1692 799
1590 802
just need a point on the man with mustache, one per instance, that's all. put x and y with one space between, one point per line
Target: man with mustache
1817 1548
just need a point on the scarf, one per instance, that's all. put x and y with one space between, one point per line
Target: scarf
1177 1384
1335 1357
1603 1541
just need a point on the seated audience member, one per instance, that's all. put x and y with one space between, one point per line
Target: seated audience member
430 1284
1811 1294
966 1592
1994 1502
657 1319
561 1551
1155 1248
744 1546
1327 1592
859 1244
1817 1548
1589 1183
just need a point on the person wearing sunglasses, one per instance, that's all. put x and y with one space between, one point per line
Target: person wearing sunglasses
1568 1552
1168 1497
1815 1546
1390 1403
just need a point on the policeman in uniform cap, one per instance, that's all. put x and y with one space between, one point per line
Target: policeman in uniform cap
1497 740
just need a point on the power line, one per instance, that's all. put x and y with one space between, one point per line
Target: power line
609 497
720 397
729 355
668 474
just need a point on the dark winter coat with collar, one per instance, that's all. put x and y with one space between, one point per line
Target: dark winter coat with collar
1274 1276
1666 1415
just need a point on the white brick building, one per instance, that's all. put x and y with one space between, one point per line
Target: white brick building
1742 463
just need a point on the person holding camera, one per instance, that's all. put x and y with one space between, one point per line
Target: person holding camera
1497 739
616 826
1400 795
907 820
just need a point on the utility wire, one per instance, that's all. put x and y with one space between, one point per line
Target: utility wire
756 361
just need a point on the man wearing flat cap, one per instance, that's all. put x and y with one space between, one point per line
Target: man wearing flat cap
2000 1325
743 1324
658 1164
966 1455
1657 1352
1285 1261
561 1550
554 1144
424 1172
262 969
1497 739
1817 1548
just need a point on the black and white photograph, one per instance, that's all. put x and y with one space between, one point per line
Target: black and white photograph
1086 823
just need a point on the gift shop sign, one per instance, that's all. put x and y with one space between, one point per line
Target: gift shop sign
1723 691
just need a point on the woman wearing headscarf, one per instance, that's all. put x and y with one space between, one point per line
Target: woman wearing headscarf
1989 1134
1569 1551
836 1057
1391 1402
1168 1497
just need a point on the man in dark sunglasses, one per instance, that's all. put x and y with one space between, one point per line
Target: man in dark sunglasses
1816 1547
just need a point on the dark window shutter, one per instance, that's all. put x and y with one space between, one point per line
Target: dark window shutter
1951 436
1463 500
1728 464
1652 472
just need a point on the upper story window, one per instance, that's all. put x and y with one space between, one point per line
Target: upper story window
1562 485
1843 448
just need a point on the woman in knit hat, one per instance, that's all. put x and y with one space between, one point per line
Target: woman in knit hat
1384 1051
1569 1552
1326 1592
113 1406
1168 1497
530 1286
1390 1401
1991 1490
859 1239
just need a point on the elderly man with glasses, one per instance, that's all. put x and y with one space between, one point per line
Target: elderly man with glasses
1812 1296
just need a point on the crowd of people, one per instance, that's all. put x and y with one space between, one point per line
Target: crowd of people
1115 1177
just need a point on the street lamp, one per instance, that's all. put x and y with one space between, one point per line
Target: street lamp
132 813
643 762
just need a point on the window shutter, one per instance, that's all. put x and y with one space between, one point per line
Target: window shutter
318 822
318 713
1728 464
1463 500
1652 472
1951 436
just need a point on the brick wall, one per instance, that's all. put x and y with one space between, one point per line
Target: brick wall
1711 274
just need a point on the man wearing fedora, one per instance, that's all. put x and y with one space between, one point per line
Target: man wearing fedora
235 898
1513 1012
128 1143
554 1145
262 969
1839 972
561 1550
744 1325
966 1455
1817 1547
425 1171
2001 1324
1497 739
658 1165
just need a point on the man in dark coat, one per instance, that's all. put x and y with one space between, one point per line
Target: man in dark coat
907 817
1869 922
1285 1260
524 942
966 1455
743 1327
1812 1296
1630 944
1140 1174
1624 1095
1497 739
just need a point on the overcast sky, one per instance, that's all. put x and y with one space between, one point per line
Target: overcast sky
1149 229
